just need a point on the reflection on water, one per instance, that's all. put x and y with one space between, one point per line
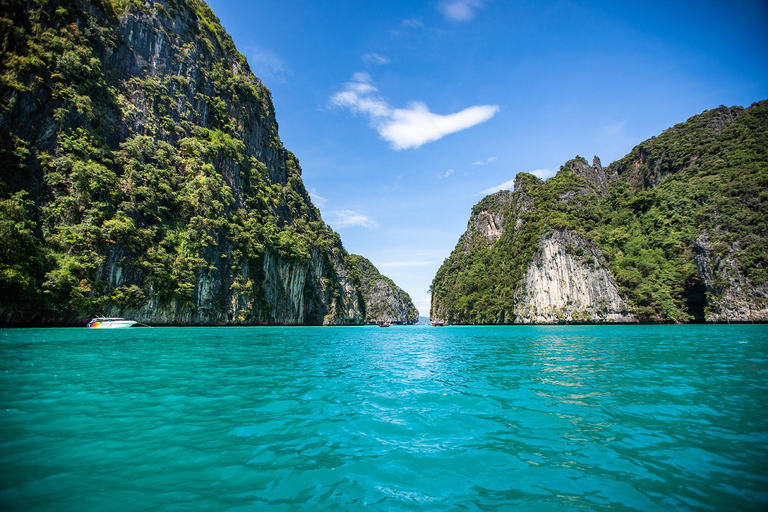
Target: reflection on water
594 417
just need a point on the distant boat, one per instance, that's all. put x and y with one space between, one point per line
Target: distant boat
437 323
384 324
104 322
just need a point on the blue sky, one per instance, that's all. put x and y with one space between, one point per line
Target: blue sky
404 113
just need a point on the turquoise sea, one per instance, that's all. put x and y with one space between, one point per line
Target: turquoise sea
404 418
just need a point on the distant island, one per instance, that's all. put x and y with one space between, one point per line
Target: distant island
142 175
385 302
674 232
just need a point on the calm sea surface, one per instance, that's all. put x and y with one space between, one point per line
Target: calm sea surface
404 418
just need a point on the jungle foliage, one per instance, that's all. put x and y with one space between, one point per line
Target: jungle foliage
102 168
708 176
378 306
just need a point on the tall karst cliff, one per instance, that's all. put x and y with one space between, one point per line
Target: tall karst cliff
141 174
384 300
676 231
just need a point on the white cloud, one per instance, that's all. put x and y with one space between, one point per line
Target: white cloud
483 162
543 173
415 126
459 10
509 184
410 127
351 218
375 58
448 173
362 77
317 199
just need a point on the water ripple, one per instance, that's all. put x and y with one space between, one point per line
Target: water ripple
478 418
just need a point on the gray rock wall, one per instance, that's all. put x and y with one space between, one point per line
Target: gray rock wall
731 297
567 282
384 300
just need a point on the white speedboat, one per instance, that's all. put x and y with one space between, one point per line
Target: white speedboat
104 322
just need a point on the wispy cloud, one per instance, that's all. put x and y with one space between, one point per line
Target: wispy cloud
317 199
412 23
459 10
543 173
375 58
266 64
483 162
410 127
351 218
509 184
447 173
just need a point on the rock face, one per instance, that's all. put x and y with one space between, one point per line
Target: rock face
384 301
487 220
734 297
596 176
673 232
142 175
568 281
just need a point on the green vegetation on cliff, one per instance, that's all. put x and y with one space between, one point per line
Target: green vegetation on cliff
705 179
139 155
384 300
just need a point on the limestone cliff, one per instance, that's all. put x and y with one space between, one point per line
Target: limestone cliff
142 175
673 232
568 281
384 300
487 220
733 296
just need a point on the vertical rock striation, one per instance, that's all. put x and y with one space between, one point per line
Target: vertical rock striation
568 282
734 298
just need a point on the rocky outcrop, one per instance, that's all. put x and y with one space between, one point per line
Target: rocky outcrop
489 225
731 295
384 300
596 176
723 118
568 282
487 220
